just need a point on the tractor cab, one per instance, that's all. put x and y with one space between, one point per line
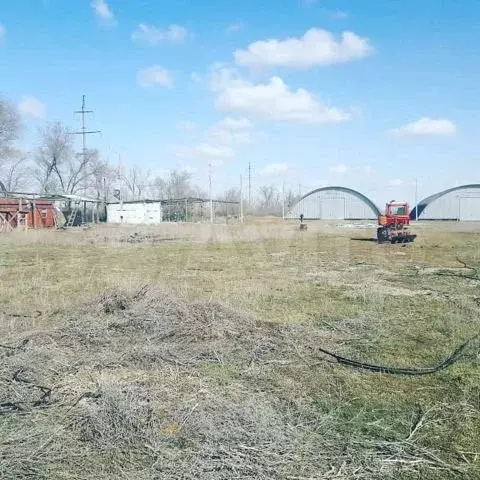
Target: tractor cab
396 213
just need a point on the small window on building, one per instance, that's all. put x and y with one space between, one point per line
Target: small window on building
43 213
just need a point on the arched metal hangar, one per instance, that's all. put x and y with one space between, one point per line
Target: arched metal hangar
334 203
458 203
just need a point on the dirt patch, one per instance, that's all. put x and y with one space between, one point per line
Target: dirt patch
139 237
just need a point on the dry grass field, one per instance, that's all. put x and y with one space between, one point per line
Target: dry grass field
192 352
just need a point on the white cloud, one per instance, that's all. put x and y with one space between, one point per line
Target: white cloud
154 36
397 182
234 27
3 32
154 76
181 151
236 123
232 131
273 100
31 107
220 141
274 169
187 126
228 137
316 48
103 11
222 77
214 151
339 169
426 127
205 151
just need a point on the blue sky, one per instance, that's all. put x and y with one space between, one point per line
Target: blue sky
280 84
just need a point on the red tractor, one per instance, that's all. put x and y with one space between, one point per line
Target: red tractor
395 224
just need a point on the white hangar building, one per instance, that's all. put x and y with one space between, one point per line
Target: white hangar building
334 203
458 204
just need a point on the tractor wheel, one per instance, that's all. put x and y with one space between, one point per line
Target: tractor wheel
382 235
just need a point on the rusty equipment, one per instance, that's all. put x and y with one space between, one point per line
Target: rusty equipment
394 225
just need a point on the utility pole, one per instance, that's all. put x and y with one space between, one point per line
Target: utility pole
210 189
283 199
416 199
241 199
249 184
84 132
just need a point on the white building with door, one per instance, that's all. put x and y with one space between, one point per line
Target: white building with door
138 212
459 203
334 203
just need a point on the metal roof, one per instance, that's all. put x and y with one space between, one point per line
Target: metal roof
49 196
15 201
173 201
423 204
346 190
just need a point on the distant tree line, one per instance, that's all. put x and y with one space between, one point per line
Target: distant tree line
54 167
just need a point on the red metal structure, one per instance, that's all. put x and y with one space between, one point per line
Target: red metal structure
395 224
21 213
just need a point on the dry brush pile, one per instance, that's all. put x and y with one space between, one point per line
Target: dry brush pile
149 386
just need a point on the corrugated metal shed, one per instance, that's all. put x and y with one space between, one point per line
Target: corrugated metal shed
458 203
137 212
334 203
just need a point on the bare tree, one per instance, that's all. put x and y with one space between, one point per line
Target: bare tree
10 127
55 151
232 195
59 169
291 198
268 196
158 188
136 182
178 184
269 200
102 180
15 172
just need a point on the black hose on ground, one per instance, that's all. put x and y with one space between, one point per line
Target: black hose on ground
449 361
